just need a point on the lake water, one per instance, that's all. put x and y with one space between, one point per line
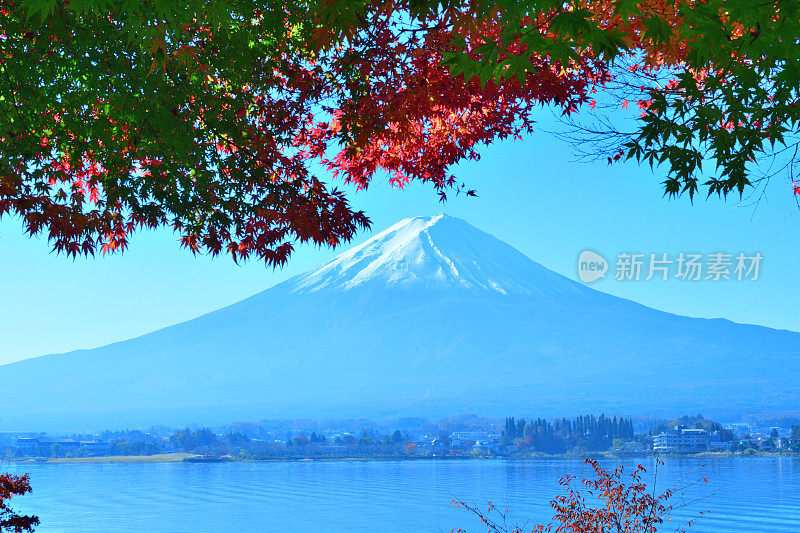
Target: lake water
743 494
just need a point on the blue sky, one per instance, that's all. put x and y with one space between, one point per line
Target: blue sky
532 194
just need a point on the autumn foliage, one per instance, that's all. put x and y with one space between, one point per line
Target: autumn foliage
139 119
617 503
9 520
227 121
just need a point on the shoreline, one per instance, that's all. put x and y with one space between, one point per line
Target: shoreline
196 458
156 458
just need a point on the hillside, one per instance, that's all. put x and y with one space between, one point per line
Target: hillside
431 317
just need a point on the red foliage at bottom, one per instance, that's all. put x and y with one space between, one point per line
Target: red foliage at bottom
619 503
9 520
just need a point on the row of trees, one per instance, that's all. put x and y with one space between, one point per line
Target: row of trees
115 447
587 432
295 445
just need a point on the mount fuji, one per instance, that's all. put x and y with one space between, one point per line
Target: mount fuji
430 317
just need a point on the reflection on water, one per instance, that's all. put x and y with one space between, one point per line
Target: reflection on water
743 494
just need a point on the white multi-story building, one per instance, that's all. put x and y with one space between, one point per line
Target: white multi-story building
681 440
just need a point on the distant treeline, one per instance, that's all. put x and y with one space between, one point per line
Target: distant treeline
393 444
586 433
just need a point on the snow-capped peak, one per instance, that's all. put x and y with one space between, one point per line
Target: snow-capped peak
434 252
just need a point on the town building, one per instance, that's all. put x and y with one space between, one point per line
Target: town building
681 440
474 436
30 445
719 446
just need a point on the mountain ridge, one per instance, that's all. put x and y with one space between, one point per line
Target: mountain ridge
431 316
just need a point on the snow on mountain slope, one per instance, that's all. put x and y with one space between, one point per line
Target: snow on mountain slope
431 317
440 252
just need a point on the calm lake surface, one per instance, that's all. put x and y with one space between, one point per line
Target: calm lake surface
743 494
